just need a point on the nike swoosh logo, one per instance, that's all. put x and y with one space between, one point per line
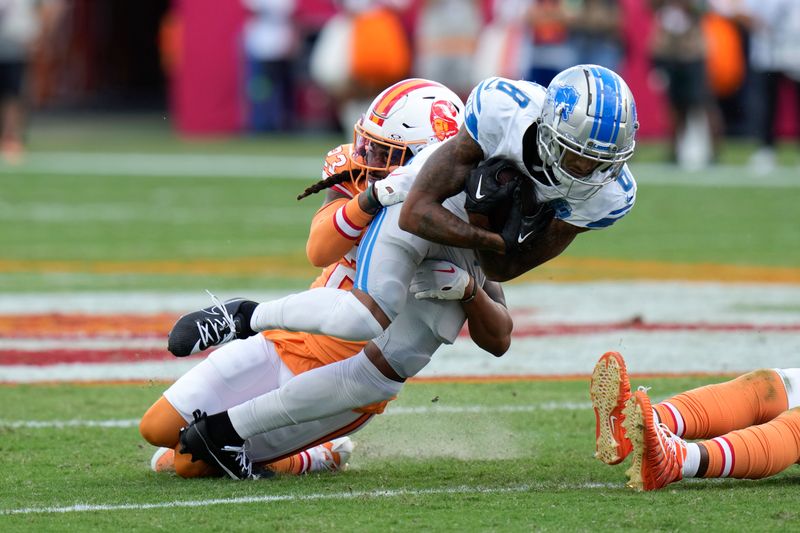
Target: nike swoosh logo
478 194
445 271
522 237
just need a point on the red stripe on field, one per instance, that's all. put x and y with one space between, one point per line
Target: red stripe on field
546 330
54 357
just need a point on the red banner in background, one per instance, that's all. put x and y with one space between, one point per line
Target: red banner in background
207 96
650 103
206 92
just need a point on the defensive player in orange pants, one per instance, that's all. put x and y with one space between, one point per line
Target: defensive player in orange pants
430 113
749 427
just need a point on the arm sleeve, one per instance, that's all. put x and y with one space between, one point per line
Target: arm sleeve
335 228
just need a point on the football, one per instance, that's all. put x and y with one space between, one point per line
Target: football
505 174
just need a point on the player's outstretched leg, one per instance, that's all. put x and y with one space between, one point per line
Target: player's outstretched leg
214 325
331 456
609 391
658 454
233 460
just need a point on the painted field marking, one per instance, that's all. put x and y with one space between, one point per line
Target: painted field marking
277 498
396 411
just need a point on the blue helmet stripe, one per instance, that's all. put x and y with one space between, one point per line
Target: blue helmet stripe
604 129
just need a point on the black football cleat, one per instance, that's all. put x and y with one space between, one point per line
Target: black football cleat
212 326
233 460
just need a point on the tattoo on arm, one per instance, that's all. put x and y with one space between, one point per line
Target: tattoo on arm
443 175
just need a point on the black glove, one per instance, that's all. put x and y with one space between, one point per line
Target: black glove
488 186
521 229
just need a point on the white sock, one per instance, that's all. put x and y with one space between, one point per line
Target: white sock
791 380
318 393
692 461
323 310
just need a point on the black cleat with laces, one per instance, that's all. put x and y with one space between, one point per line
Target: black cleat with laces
233 460
212 326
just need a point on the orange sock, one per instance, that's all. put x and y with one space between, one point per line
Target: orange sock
161 424
184 466
714 410
297 464
756 452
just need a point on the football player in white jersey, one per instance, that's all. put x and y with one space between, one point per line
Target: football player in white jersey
403 118
446 287
572 140
582 131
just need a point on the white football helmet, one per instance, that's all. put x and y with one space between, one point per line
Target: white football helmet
403 119
586 130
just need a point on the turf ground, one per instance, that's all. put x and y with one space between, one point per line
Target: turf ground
99 209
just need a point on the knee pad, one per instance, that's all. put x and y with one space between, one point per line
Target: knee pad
161 424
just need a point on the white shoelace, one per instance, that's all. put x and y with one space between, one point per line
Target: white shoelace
226 316
672 440
244 461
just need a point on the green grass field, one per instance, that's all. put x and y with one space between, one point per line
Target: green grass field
513 456
494 469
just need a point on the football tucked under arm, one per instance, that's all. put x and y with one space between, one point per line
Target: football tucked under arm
490 187
512 210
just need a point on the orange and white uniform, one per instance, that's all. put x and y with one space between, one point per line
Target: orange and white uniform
245 369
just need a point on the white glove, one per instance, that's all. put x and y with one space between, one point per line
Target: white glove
439 280
394 188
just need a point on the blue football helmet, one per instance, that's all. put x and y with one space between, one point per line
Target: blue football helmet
586 129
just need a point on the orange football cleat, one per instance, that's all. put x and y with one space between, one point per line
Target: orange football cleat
609 391
658 454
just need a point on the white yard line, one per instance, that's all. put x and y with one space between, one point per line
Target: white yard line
279 498
307 167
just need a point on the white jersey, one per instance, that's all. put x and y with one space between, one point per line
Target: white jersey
499 112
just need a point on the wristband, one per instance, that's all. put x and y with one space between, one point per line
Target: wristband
372 200
474 292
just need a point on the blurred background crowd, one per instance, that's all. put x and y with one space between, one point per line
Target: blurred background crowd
701 70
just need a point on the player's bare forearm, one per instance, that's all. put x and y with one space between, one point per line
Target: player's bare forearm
443 175
548 245
488 320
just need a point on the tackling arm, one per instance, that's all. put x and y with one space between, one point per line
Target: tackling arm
335 228
488 319
443 175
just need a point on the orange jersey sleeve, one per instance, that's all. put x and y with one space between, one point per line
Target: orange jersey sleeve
335 229
339 224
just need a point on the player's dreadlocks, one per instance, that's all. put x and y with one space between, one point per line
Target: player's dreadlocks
330 181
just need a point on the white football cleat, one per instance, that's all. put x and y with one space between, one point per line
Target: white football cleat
331 456
163 460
